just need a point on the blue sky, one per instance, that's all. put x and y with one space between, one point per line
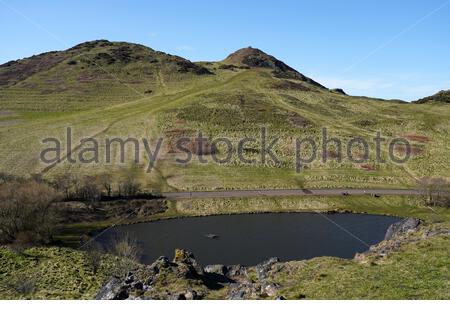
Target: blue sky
388 49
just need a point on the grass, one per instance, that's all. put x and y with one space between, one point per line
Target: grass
56 273
388 205
415 271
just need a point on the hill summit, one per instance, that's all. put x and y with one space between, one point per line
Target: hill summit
256 58
96 56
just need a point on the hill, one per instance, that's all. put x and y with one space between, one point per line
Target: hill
441 96
116 89
91 74
255 58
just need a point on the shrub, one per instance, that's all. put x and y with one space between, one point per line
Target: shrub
65 183
25 212
4 177
435 191
94 256
129 185
126 248
105 181
88 190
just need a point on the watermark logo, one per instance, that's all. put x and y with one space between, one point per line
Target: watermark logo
222 150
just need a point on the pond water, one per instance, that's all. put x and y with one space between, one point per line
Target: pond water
249 239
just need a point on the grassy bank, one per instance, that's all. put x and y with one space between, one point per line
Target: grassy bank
416 271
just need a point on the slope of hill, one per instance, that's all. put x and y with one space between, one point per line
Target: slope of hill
91 74
114 89
441 96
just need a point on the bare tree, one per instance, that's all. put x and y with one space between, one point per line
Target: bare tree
129 185
88 189
104 180
64 183
435 191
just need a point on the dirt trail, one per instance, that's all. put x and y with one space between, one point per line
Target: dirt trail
288 192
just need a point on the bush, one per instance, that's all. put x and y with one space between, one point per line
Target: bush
105 181
129 188
129 185
435 191
126 248
65 183
4 177
25 212
88 190
94 256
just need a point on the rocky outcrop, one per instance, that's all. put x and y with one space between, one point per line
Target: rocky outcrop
406 225
253 290
186 264
263 268
218 269
117 289
150 282
184 278
442 96
407 231
338 91
110 290
255 58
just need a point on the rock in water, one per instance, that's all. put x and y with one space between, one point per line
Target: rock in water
211 236
401 227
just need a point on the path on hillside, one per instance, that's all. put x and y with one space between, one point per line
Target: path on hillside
286 193
176 98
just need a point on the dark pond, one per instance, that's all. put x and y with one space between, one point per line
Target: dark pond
251 238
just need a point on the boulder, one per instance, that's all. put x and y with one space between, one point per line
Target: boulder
219 269
236 272
186 263
191 295
402 227
263 268
160 264
114 289
244 291
271 289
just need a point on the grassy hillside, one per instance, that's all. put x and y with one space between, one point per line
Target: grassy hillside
103 89
417 270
